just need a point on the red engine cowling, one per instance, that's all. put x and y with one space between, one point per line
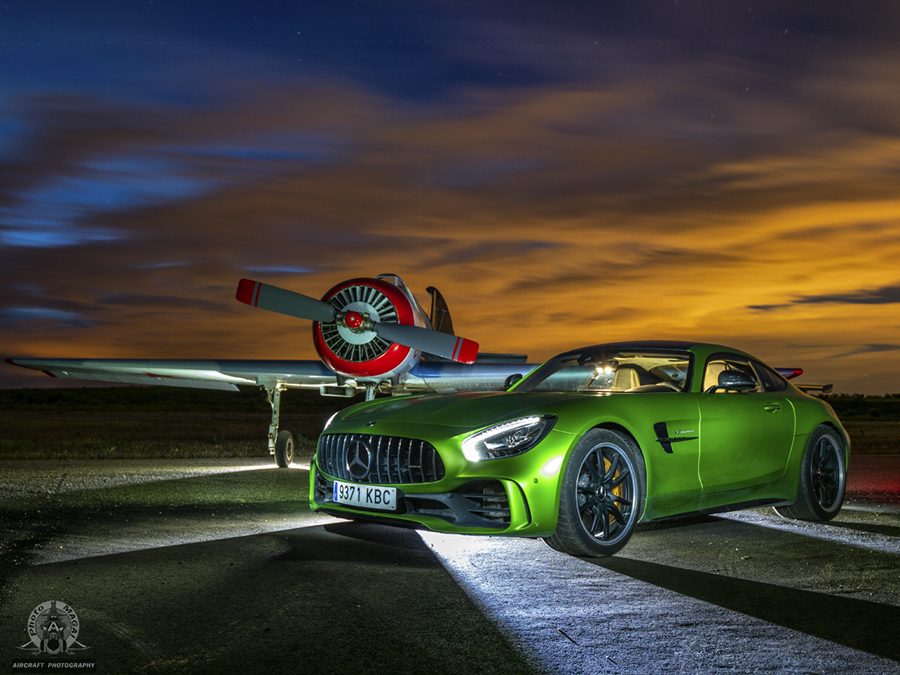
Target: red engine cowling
364 355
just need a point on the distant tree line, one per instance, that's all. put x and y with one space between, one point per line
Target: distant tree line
253 400
860 407
160 399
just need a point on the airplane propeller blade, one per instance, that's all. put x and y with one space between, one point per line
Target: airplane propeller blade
290 303
429 341
275 299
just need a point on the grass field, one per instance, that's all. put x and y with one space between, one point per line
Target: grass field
166 422
152 422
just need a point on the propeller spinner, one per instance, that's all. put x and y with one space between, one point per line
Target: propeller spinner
360 322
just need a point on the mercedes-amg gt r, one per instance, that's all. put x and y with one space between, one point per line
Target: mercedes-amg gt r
588 445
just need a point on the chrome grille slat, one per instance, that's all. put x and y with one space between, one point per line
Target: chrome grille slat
387 462
401 465
417 459
391 459
421 460
342 461
434 468
378 462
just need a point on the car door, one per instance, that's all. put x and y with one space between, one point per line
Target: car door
669 434
745 437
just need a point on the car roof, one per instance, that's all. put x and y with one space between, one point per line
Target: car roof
669 345
679 345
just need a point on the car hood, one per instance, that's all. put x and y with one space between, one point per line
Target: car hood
465 410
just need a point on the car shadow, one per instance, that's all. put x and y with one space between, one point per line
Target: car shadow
884 530
365 544
683 521
858 624
690 521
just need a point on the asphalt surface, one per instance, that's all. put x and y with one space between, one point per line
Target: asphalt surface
199 566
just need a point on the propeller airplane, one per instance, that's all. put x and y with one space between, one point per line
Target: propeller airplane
370 334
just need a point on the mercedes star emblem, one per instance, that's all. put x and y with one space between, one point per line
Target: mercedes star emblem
358 458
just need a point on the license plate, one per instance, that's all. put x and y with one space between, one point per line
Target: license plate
367 496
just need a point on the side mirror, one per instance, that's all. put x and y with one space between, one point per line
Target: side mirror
511 380
734 380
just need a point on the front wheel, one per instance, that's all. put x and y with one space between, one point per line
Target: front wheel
823 478
602 495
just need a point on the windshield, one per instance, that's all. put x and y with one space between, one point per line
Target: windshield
607 372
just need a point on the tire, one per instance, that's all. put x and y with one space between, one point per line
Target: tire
823 478
599 509
284 448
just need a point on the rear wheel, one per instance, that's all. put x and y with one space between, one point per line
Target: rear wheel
602 495
823 478
284 448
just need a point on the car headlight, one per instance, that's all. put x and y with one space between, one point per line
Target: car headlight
508 439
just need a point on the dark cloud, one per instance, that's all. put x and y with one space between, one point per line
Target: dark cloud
872 349
44 318
161 303
886 295
766 308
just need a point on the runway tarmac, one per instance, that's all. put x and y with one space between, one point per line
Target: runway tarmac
218 566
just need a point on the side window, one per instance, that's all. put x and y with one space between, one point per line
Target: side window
771 380
721 362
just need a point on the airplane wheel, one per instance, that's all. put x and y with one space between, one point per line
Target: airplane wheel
284 448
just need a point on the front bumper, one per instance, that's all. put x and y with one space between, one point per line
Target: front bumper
475 506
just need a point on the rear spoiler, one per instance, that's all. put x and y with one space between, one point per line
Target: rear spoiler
791 373
823 388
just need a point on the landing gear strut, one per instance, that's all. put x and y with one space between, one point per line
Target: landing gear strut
281 444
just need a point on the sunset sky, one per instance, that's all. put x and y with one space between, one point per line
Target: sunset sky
566 173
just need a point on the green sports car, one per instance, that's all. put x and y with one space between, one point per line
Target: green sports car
588 445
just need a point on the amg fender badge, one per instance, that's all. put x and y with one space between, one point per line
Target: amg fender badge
665 439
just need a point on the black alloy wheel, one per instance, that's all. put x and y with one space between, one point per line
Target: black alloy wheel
602 495
823 478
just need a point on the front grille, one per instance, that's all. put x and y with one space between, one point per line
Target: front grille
363 458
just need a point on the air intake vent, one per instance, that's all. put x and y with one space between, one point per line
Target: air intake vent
379 460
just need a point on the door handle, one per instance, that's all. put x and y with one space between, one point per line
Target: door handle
772 407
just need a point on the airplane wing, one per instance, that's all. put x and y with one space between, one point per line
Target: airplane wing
486 374
370 334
